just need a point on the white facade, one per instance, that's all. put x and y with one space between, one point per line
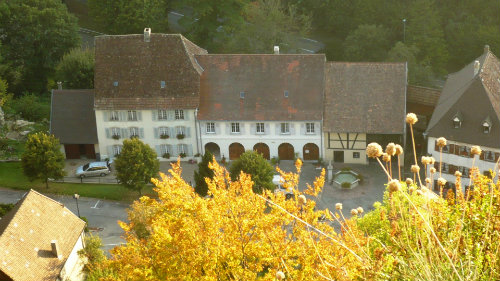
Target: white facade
456 156
271 133
345 147
73 268
166 131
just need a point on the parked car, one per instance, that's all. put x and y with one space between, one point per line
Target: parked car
278 181
93 169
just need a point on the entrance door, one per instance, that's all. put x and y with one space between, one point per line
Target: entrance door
72 151
263 149
311 151
90 151
286 152
235 150
338 156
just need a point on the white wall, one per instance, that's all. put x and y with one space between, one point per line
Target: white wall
338 140
272 136
147 122
460 160
72 270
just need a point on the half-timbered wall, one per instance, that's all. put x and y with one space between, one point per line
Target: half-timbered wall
345 147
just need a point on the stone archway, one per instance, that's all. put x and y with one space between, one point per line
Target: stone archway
235 150
213 148
263 149
310 151
286 151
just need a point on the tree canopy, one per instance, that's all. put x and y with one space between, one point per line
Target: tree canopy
35 34
136 164
253 164
76 69
42 158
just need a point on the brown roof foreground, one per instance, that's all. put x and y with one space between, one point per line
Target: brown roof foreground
72 117
26 233
139 67
365 97
475 98
263 79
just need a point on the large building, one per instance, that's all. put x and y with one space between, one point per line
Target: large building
147 86
364 102
468 114
268 103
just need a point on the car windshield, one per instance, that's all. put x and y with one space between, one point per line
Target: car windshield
86 166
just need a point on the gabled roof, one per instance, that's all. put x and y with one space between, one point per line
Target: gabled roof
263 80
26 233
476 96
138 67
365 97
72 117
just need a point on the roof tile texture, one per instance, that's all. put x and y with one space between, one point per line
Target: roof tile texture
26 233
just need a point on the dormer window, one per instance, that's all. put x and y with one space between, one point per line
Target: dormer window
242 95
162 84
487 125
457 120
285 93
115 83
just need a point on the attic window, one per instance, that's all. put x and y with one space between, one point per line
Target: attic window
242 95
285 93
115 83
162 84
486 125
457 123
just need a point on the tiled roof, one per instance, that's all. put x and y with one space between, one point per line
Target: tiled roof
138 67
263 80
423 95
475 97
26 233
365 97
72 117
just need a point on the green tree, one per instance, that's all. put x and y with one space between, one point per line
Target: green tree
368 42
136 164
92 251
203 172
418 73
42 158
252 163
76 69
282 23
129 16
35 34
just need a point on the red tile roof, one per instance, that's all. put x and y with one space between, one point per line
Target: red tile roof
263 79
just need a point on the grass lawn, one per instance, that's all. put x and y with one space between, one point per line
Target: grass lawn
11 176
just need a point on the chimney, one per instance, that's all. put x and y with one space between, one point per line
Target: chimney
55 249
276 50
59 85
477 66
486 48
147 34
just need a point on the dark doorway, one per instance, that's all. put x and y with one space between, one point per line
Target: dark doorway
286 152
235 150
263 149
77 151
338 156
213 148
311 151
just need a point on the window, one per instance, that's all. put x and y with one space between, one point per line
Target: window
165 148
260 128
211 128
181 132
489 156
285 128
309 128
235 128
486 128
117 149
115 83
162 84
355 155
115 133
132 115
242 95
182 148
114 116
285 93
162 114
134 132
179 114
163 132
457 123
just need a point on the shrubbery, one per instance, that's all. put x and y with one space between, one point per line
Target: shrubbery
28 107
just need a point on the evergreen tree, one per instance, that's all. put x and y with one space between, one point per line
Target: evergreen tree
203 172
252 163
42 158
